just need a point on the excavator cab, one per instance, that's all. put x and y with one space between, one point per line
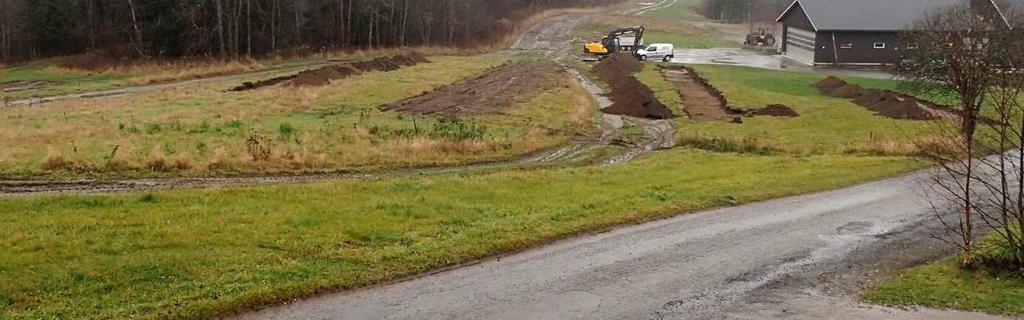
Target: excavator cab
619 40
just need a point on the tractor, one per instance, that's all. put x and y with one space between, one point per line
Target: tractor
761 38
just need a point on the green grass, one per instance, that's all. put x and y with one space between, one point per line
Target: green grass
63 81
943 284
663 90
825 125
681 10
199 253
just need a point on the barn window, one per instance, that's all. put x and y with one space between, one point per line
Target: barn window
879 45
912 46
846 45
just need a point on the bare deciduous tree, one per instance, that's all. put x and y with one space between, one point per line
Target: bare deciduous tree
960 55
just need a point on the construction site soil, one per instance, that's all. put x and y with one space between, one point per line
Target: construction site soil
323 76
630 97
703 102
885 103
492 92
774 110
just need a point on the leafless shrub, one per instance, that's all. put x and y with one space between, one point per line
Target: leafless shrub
966 52
258 146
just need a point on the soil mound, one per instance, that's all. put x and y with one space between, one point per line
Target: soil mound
633 98
629 96
775 110
324 76
885 103
830 83
493 92
617 65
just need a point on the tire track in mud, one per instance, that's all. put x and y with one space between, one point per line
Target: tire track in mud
551 38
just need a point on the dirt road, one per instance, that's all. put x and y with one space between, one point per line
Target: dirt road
553 38
796 258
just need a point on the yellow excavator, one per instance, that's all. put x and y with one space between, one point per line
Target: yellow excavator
628 39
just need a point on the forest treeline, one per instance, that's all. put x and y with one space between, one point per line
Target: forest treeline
757 11
234 28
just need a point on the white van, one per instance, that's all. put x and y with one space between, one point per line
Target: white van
658 51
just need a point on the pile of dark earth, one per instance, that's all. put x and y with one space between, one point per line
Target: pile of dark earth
629 96
885 103
323 76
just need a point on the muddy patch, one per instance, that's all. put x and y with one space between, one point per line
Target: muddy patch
492 92
886 103
323 76
15 86
629 96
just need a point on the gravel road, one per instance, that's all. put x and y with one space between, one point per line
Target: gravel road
795 258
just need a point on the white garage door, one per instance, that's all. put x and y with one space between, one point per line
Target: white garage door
800 45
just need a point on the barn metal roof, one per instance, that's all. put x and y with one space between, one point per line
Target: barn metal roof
867 15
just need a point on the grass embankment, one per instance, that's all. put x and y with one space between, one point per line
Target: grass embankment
198 253
943 284
202 130
988 286
826 125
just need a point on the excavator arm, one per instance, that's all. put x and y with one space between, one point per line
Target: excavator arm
612 43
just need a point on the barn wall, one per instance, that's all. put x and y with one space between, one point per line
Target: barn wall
863 51
796 18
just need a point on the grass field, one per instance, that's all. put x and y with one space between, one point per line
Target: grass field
193 254
681 10
63 80
826 125
943 284
202 130
91 72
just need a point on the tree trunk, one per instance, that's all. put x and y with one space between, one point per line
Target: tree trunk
220 28
348 24
138 31
298 22
273 25
248 28
405 23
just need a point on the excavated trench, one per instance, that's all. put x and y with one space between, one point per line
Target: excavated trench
702 102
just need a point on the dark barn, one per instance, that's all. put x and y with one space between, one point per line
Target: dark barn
856 32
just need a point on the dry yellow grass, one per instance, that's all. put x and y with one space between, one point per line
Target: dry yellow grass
198 130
